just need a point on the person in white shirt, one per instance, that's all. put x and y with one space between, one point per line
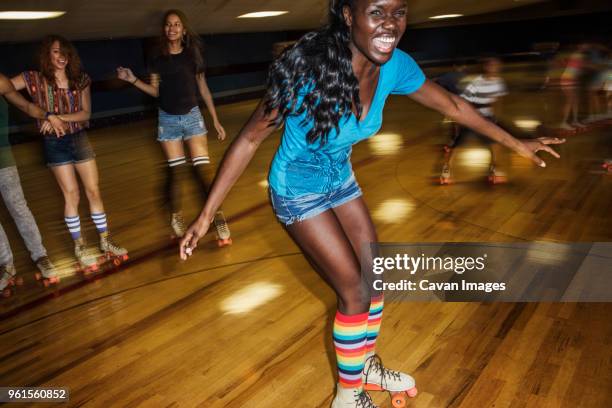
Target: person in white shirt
483 92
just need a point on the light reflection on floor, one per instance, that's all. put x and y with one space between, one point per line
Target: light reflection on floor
250 297
393 211
385 144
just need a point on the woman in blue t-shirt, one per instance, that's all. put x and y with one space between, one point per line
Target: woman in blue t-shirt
177 76
329 91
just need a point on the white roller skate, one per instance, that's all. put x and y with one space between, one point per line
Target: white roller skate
87 263
112 251
223 231
352 398
445 177
376 377
8 279
178 225
47 274
496 177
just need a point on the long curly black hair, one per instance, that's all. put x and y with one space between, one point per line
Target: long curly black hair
320 62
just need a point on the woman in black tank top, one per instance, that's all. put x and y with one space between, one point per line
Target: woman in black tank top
176 78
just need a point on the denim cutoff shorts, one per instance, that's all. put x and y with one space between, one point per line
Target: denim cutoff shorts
296 209
180 127
68 149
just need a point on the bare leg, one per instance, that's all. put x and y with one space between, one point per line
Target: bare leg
322 239
88 172
67 181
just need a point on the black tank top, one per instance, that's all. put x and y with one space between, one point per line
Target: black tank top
178 88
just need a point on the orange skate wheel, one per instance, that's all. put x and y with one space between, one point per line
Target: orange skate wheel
54 279
38 276
398 400
116 261
224 242
46 283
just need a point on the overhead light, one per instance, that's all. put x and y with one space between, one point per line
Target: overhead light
262 14
29 15
443 16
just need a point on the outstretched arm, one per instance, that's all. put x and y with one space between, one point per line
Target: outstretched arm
210 105
152 89
232 166
456 108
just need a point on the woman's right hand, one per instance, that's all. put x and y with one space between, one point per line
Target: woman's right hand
190 240
126 74
57 125
48 128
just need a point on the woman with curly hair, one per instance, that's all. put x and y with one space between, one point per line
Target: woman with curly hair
329 91
62 89
177 75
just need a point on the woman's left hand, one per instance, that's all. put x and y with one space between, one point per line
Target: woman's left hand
220 131
542 144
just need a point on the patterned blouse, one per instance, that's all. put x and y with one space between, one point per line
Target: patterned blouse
57 100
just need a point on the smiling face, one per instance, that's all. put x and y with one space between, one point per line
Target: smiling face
173 29
59 60
376 27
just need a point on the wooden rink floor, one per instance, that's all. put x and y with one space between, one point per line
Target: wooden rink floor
250 325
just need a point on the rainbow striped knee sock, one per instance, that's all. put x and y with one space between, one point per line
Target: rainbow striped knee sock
350 334
374 320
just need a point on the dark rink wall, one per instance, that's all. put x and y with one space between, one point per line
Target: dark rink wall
237 63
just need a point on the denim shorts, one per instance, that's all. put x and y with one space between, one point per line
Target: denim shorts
68 149
180 127
296 209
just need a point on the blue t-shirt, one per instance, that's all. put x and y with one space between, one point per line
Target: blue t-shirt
301 168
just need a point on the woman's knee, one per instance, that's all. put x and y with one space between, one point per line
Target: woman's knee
72 195
93 193
353 299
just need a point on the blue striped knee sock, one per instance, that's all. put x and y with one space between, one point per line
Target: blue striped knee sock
100 220
73 222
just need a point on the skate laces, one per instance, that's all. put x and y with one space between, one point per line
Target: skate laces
364 400
177 222
7 270
110 244
376 365
222 228
44 263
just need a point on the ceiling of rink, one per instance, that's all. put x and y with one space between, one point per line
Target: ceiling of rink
99 19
